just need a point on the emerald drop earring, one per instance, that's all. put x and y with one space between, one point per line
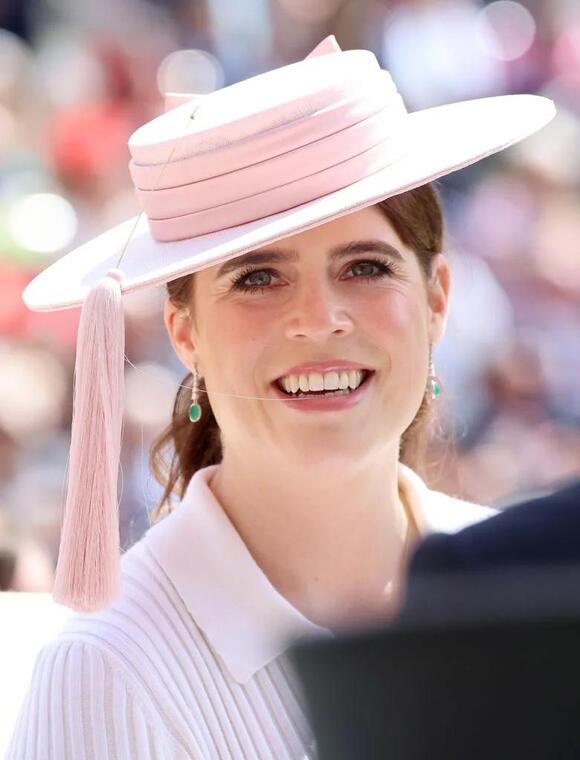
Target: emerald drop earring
433 381
194 408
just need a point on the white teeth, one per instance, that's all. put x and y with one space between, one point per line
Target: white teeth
331 381
354 378
317 381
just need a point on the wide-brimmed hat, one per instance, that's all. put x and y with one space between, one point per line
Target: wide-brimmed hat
218 175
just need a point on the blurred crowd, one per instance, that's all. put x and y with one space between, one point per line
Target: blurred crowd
77 78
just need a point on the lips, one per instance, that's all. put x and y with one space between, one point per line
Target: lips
329 402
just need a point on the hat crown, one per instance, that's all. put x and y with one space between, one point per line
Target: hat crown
257 104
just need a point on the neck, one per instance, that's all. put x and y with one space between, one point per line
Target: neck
330 539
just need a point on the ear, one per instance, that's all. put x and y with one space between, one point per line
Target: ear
179 327
438 289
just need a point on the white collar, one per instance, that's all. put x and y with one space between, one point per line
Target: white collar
246 620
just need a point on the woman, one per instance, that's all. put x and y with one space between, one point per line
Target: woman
306 312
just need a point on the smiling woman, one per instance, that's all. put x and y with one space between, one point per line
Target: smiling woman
182 449
292 217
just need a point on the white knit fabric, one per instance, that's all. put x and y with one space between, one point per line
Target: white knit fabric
190 662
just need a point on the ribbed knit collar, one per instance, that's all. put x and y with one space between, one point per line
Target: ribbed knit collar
245 619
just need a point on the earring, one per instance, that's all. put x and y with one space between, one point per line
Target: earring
433 381
195 408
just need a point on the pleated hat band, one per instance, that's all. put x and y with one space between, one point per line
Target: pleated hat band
324 125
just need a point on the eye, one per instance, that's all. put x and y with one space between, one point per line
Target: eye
363 269
253 280
259 280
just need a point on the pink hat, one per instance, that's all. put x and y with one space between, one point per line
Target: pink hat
218 175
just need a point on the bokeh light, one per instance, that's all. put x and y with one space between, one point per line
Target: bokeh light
42 222
194 71
512 27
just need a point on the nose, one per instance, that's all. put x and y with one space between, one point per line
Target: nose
316 313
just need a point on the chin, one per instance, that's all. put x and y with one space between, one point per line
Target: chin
330 451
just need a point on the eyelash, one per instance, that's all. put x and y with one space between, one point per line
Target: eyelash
384 270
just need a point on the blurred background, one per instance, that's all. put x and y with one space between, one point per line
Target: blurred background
77 78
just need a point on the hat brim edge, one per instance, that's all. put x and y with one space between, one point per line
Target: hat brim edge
169 261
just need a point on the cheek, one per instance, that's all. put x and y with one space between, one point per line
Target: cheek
398 317
398 328
242 340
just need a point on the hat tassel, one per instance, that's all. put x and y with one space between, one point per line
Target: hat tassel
88 569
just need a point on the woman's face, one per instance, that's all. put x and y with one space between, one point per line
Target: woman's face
345 294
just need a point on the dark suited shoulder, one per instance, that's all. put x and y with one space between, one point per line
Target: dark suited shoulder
545 530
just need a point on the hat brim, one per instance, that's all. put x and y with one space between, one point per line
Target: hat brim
441 140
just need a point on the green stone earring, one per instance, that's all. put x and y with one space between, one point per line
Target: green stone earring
434 381
195 408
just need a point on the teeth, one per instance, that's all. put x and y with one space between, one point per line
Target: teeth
354 378
331 381
316 381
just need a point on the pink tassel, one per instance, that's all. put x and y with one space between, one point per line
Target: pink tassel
88 570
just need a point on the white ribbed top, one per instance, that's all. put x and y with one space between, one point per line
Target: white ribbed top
191 661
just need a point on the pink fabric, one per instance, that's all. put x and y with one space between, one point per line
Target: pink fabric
185 169
88 569
289 165
261 204
262 162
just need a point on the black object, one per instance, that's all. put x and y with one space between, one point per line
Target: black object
483 663
541 531
468 691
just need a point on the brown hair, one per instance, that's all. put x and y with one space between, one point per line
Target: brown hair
183 447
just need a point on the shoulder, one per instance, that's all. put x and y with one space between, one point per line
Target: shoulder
132 666
450 514
147 629
438 512
82 701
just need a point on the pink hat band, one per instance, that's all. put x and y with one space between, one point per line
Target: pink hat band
357 130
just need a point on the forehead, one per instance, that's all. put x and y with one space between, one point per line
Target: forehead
365 230
367 222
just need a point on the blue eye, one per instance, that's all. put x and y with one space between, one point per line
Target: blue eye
364 268
246 280
258 280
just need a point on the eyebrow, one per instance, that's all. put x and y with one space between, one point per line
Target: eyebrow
278 255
